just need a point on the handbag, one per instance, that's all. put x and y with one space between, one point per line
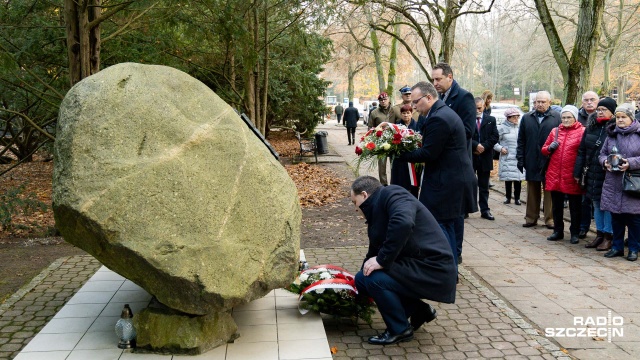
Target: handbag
631 182
547 159
585 169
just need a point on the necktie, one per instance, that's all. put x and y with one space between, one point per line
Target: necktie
478 123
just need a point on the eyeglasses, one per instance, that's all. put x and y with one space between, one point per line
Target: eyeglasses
415 102
601 110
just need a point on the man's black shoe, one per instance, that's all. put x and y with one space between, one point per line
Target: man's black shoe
487 215
574 239
633 256
556 236
425 315
614 253
582 234
387 339
529 224
549 226
517 202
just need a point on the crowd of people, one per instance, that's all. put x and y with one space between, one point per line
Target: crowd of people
557 150
586 157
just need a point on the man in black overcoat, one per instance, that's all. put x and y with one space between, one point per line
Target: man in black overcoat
448 180
534 128
351 116
484 139
408 259
461 101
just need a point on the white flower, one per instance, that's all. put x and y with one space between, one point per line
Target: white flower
319 291
386 147
325 276
321 269
304 277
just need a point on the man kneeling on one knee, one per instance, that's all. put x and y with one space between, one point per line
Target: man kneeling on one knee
409 259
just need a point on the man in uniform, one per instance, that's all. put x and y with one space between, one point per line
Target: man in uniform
378 116
396 116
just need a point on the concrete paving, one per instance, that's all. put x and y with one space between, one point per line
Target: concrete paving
515 288
555 288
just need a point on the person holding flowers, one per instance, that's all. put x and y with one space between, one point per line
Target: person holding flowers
448 181
404 173
408 259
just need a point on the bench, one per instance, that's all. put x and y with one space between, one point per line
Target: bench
307 145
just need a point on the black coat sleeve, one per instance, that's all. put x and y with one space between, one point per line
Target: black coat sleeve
434 139
402 215
580 160
522 144
492 138
467 112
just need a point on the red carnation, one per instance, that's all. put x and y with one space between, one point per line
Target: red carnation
370 146
396 141
397 137
358 151
379 133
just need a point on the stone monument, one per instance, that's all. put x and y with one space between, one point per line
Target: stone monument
161 181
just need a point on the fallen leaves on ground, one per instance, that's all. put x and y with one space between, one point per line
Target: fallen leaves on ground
316 185
285 143
36 176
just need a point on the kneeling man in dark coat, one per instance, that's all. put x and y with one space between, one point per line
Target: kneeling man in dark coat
409 259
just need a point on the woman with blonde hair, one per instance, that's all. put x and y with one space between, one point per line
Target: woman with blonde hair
487 96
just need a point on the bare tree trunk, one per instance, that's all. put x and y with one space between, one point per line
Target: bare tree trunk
73 40
375 45
448 31
94 37
606 82
576 70
265 71
393 54
256 71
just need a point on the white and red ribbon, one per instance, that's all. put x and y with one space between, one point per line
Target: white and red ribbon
413 176
335 283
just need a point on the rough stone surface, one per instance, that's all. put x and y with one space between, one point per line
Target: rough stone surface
162 182
162 330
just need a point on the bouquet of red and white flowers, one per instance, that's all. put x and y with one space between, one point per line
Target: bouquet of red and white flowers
330 289
386 140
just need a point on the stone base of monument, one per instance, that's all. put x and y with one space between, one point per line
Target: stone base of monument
164 330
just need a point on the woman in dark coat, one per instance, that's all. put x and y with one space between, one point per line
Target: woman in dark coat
402 171
624 208
594 136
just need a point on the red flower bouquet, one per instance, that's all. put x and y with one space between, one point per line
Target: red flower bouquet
387 140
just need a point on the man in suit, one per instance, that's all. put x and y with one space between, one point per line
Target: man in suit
408 259
483 141
351 117
534 128
448 179
461 101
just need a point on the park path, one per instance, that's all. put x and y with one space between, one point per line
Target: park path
551 285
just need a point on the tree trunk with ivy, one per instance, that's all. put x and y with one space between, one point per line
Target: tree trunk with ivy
576 69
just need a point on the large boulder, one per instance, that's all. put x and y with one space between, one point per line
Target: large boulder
162 182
